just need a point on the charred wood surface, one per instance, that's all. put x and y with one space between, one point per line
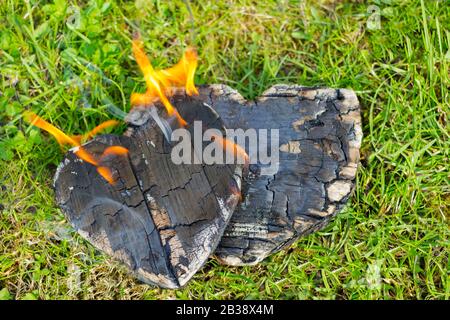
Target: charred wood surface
160 219
320 136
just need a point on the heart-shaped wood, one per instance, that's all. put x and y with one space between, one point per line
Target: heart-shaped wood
320 136
160 219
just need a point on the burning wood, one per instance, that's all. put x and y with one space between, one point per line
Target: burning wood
160 84
75 141
163 218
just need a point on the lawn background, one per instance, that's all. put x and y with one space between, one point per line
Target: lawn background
391 242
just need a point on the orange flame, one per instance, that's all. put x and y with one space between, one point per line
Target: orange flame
115 151
60 136
181 74
95 131
160 83
75 141
229 146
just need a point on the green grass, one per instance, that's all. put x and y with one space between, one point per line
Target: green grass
392 241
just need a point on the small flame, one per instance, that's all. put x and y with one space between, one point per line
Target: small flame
106 173
85 155
95 131
115 150
160 83
229 146
75 141
60 136
181 74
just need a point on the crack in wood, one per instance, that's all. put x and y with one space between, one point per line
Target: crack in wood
161 220
315 119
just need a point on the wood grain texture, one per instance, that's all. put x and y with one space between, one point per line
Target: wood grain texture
320 136
160 219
